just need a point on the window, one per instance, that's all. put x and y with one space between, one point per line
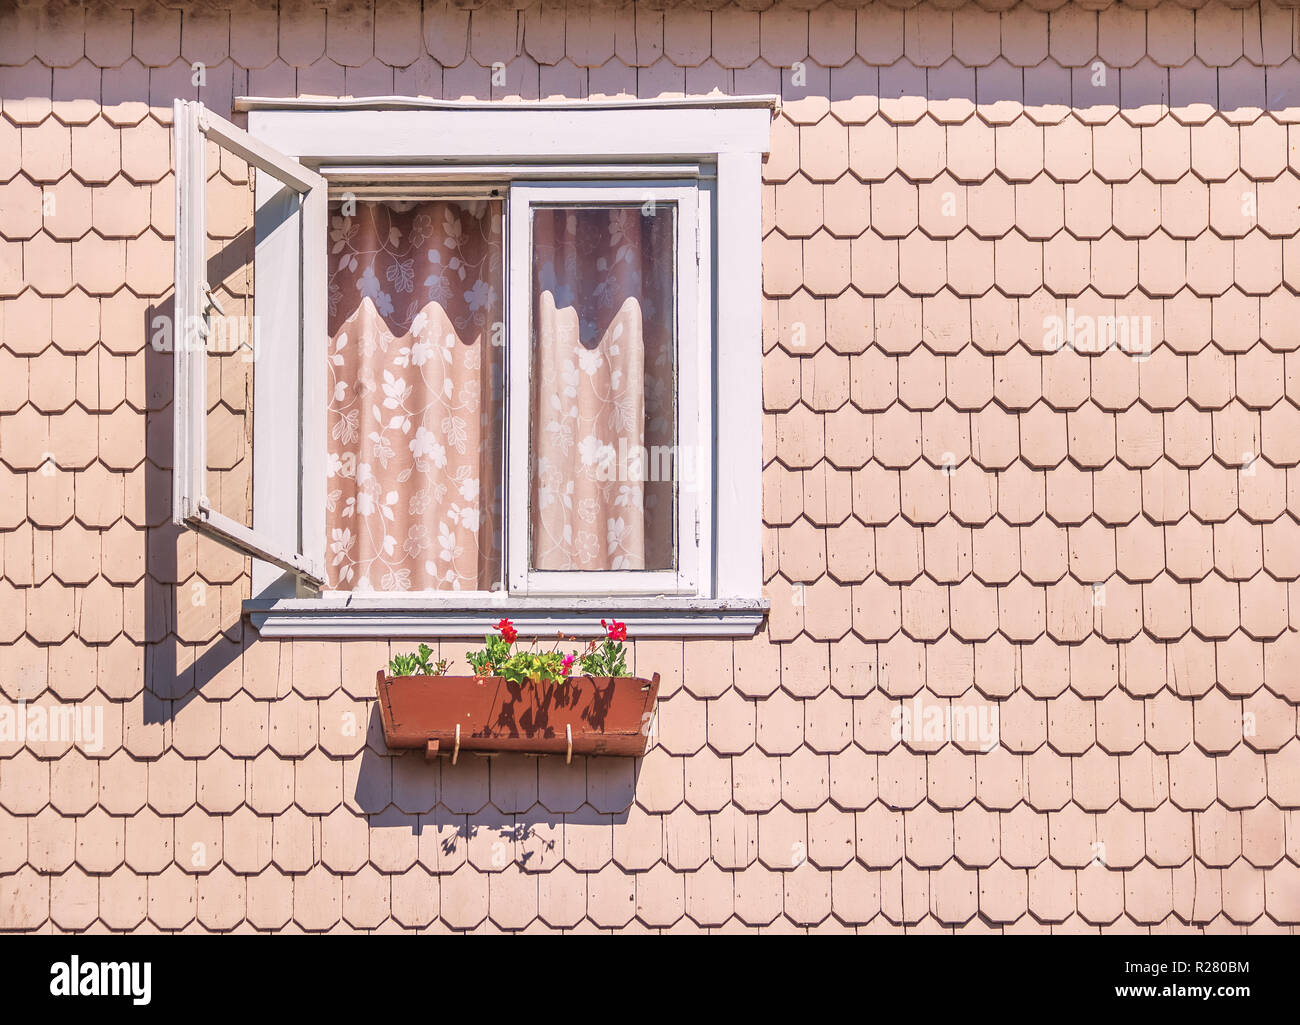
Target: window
287 535
489 380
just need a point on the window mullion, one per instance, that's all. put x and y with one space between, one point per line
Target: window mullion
687 399
518 394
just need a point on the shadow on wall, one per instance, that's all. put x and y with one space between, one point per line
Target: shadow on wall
173 675
448 805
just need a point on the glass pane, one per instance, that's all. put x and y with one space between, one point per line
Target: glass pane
603 424
416 432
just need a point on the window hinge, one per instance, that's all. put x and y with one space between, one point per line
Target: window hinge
697 527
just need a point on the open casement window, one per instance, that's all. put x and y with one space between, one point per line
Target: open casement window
283 338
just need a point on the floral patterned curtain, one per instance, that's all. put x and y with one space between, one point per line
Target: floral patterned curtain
415 407
602 390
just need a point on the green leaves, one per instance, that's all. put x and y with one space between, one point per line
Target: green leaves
495 654
497 659
417 663
609 659
538 666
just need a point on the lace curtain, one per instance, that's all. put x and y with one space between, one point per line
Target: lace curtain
415 404
602 389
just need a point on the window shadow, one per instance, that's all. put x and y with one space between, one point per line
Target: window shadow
175 672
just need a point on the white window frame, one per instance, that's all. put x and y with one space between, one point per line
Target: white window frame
692 386
717 145
292 541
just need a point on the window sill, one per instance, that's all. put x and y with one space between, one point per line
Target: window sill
454 616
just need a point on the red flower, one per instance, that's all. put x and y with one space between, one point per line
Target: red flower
615 630
508 631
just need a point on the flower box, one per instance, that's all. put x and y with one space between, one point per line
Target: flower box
593 715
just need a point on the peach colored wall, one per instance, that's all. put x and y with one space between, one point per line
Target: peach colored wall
942 491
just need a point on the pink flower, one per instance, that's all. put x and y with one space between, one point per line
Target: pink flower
568 664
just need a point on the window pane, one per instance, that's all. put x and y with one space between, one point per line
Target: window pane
603 422
415 406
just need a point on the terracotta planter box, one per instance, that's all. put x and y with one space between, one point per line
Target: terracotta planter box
594 715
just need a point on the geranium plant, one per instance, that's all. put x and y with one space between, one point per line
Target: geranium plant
417 663
607 656
498 657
